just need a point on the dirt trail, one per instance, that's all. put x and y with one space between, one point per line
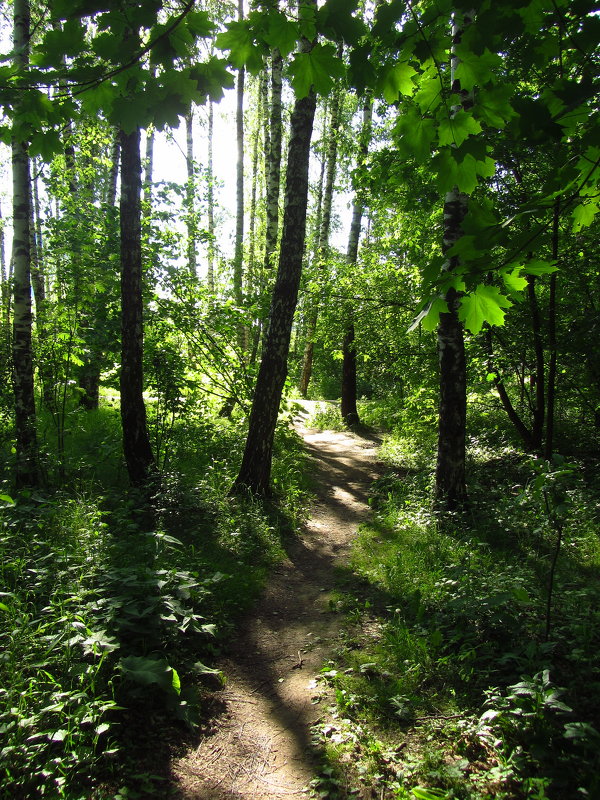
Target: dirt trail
261 749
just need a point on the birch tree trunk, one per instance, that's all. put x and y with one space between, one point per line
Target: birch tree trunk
190 194
238 258
273 161
450 480
255 470
210 259
136 442
27 473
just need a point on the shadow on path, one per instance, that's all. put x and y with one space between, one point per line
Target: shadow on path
262 748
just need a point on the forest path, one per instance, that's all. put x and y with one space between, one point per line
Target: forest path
261 747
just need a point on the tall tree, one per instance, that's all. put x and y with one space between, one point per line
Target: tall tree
255 470
25 420
238 257
190 194
348 407
273 160
136 441
450 480
210 204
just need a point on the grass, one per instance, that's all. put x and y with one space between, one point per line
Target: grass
112 613
453 680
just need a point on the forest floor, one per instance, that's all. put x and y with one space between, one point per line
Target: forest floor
260 746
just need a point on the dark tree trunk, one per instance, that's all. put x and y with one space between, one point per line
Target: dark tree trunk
136 442
552 365
348 409
450 478
522 429
538 379
25 420
255 470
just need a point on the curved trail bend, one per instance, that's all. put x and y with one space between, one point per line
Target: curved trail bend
261 749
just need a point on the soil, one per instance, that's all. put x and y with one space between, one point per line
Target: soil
261 748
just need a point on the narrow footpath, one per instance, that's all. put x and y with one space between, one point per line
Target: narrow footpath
261 748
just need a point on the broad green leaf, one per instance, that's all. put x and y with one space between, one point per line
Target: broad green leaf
238 39
429 317
538 266
475 70
46 144
417 134
199 23
484 304
6 498
147 671
454 130
466 174
318 69
429 95
281 33
493 106
513 280
583 215
397 80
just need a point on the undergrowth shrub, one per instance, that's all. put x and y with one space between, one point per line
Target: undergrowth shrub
454 651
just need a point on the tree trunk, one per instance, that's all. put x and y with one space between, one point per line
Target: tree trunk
136 442
113 176
238 258
514 417
210 259
25 421
149 170
450 479
538 379
552 365
273 162
255 470
349 409
190 195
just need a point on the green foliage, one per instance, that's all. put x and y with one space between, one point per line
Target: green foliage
445 646
111 611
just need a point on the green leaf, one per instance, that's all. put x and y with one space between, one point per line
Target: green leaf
46 144
6 498
429 95
583 215
281 33
538 266
493 107
148 671
397 80
429 317
417 134
474 70
238 39
454 130
318 69
484 304
513 280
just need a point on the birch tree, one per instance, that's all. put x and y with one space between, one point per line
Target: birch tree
25 418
